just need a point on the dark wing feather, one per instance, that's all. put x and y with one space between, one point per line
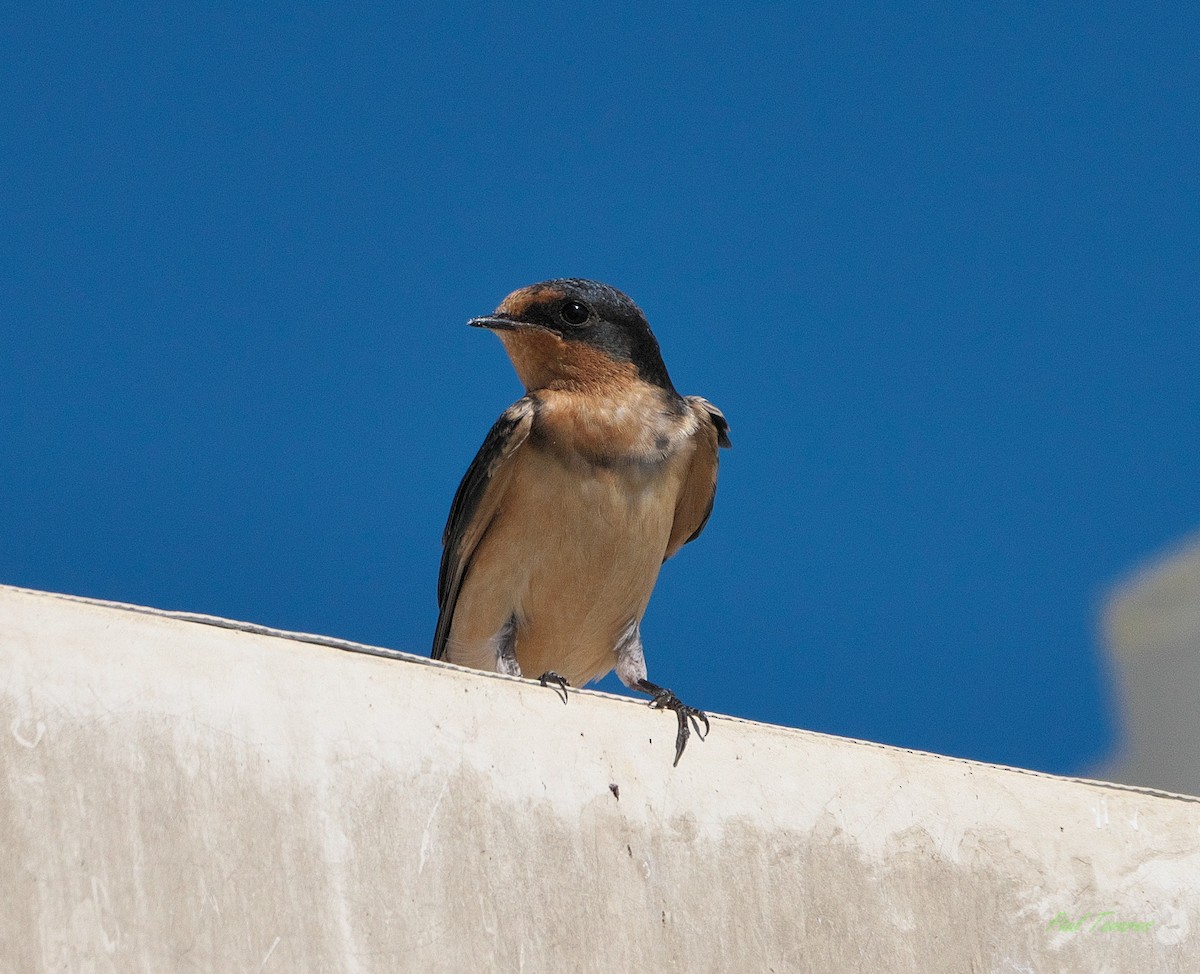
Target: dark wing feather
700 489
716 417
475 504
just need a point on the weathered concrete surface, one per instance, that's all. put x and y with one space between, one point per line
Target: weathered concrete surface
179 797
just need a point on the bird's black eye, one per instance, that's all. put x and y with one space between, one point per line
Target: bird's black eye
574 313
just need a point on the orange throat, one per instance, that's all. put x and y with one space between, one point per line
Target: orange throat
544 360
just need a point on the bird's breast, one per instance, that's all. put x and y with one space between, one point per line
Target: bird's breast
626 424
580 533
585 544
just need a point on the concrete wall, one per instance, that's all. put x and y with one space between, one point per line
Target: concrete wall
1151 627
183 797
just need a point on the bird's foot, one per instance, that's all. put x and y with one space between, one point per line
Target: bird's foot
560 683
664 699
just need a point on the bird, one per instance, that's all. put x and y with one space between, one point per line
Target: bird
582 489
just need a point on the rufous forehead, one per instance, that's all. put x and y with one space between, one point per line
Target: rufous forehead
520 301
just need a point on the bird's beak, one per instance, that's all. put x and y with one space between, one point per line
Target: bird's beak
497 322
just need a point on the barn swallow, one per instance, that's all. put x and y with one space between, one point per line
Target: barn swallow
582 489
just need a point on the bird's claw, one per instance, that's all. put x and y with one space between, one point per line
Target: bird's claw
666 700
560 683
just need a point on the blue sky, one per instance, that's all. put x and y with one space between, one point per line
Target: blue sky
937 263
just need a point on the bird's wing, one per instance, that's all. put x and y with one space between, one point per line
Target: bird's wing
475 504
700 487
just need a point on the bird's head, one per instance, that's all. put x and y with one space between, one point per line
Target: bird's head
576 331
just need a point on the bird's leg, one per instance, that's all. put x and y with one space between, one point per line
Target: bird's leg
560 683
664 699
505 642
631 668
